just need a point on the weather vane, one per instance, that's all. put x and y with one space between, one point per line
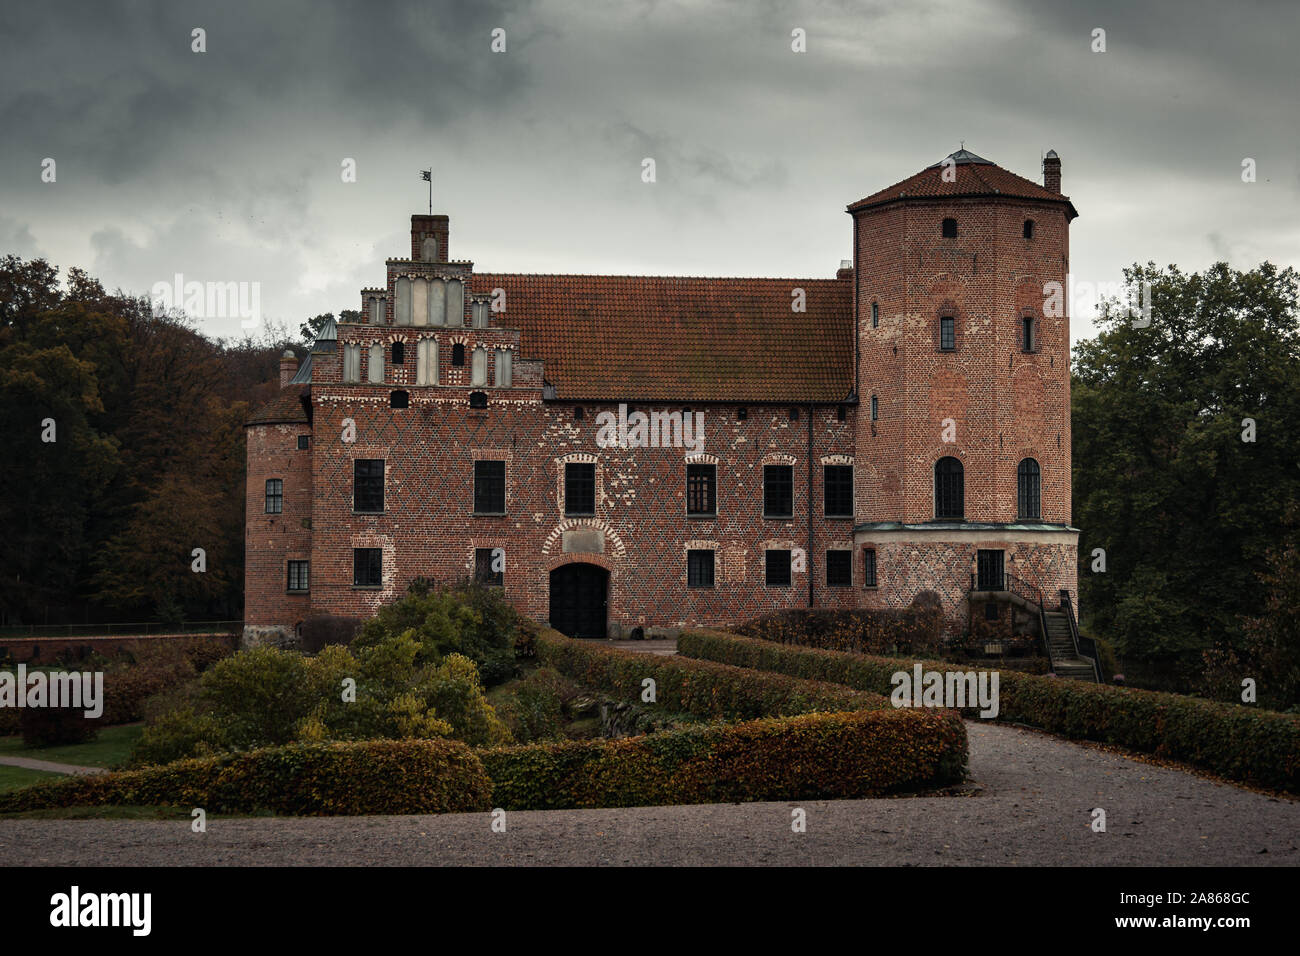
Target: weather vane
427 176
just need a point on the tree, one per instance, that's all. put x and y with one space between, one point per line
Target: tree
1185 509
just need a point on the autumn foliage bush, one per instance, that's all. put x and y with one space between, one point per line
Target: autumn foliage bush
913 630
362 777
1255 746
808 757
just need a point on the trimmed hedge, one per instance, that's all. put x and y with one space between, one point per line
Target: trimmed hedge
698 687
365 777
1255 746
917 628
809 757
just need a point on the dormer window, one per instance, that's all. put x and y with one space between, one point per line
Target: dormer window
950 228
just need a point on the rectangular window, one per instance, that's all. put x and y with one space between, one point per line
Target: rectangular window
778 569
989 570
778 491
837 490
947 333
490 566
699 569
351 362
298 575
701 481
579 488
504 368
368 485
875 315
868 567
274 496
490 487
375 363
367 567
303 441
839 569
426 362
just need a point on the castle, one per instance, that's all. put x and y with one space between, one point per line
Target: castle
654 452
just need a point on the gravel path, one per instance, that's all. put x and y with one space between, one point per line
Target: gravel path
1035 808
31 763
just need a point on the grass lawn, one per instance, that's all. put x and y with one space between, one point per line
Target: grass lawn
110 748
12 778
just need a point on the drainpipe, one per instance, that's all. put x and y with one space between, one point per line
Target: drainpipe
810 506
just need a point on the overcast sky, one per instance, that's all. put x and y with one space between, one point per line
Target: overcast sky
225 166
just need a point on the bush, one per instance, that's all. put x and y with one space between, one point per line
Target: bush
49 726
809 757
917 629
368 777
697 687
324 630
469 619
1256 746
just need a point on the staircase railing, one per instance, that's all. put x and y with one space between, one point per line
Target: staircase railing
1085 648
1028 592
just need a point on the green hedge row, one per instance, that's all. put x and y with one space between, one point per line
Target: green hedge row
810 757
698 687
361 777
1255 746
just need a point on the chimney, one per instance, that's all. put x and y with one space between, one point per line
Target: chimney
1052 171
429 238
288 367
845 270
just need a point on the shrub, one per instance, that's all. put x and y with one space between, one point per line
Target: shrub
325 630
697 687
1255 746
469 619
176 735
366 777
813 757
917 629
49 726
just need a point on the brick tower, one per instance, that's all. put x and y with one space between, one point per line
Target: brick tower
963 437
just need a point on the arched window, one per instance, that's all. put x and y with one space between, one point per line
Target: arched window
504 369
376 363
437 302
1029 490
478 400
1027 333
458 354
1029 229
875 315
426 362
351 362
402 290
949 494
478 368
399 353
950 228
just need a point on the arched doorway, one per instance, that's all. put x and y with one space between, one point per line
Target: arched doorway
579 600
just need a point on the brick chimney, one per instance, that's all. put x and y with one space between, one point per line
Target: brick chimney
845 271
288 367
1052 171
433 228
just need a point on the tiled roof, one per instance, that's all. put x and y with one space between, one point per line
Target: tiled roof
682 338
970 177
289 406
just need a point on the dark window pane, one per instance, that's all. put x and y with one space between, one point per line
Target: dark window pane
1029 490
699 569
303 441
399 399
579 488
875 315
367 567
838 490
868 567
298 575
700 489
368 485
839 569
490 565
458 354
949 495
989 570
490 487
778 569
778 491
399 353
947 333
274 496
950 228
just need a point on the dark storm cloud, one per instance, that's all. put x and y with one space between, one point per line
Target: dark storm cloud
228 163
